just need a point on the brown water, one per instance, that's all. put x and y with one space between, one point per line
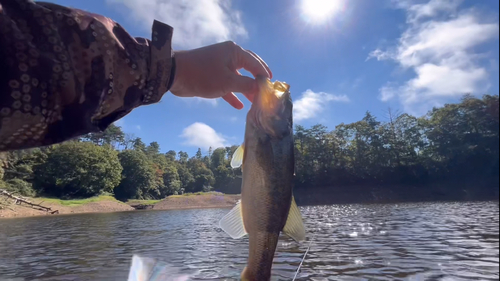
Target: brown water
431 241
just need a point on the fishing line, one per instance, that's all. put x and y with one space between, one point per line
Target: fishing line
303 258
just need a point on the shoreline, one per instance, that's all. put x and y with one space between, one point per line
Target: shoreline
108 204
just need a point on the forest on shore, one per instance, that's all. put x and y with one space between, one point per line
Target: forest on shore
453 143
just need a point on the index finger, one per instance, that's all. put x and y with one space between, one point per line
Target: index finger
263 63
252 64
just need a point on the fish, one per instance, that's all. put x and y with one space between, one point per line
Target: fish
266 157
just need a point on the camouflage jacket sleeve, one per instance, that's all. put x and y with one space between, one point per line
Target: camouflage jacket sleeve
66 72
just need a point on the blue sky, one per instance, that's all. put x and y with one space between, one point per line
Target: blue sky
341 58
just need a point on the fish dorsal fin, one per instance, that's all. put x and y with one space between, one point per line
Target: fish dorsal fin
237 159
294 226
232 222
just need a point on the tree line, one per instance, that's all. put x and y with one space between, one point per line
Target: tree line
117 163
451 143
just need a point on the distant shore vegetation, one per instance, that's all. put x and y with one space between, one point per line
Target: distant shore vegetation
455 142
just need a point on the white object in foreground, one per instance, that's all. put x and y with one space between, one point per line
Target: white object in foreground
148 269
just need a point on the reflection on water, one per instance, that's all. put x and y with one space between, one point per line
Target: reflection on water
431 241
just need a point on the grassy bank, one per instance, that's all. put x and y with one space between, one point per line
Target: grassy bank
142 202
185 195
198 200
75 202
188 201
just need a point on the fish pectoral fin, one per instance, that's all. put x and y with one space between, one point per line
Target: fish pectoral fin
237 159
232 223
294 226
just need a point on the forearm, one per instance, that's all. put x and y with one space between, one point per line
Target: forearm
65 72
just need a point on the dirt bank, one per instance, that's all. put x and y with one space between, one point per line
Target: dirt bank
210 200
106 204
12 210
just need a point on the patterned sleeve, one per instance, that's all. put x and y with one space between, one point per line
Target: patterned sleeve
65 72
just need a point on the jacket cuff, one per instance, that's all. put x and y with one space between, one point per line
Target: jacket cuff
161 63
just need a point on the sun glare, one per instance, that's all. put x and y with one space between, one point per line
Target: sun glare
320 10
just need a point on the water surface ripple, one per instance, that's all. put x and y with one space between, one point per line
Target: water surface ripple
427 241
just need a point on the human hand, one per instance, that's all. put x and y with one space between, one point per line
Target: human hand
212 72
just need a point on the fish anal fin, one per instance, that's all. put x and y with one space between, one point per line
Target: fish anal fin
294 227
232 222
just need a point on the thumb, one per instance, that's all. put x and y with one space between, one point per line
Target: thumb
245 85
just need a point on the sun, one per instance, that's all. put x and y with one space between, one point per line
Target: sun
320 10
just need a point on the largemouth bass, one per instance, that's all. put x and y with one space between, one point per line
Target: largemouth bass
266 157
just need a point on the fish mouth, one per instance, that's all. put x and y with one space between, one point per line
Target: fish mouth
273 108
273 96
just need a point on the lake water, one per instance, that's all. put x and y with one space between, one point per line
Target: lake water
428 241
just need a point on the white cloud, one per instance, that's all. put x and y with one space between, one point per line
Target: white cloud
311 104
203 136
388 92
138 127
379 55
197 100
195 22
431 8
212 102
439 47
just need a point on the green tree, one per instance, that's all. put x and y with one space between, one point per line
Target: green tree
218 158
452 143
172 180
464 138
75 169
18 172
137 178
153 149
139 145
199 155
128 141
230 150
159 163
21 187
113 136
20 164
203 176
183 157
171 155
